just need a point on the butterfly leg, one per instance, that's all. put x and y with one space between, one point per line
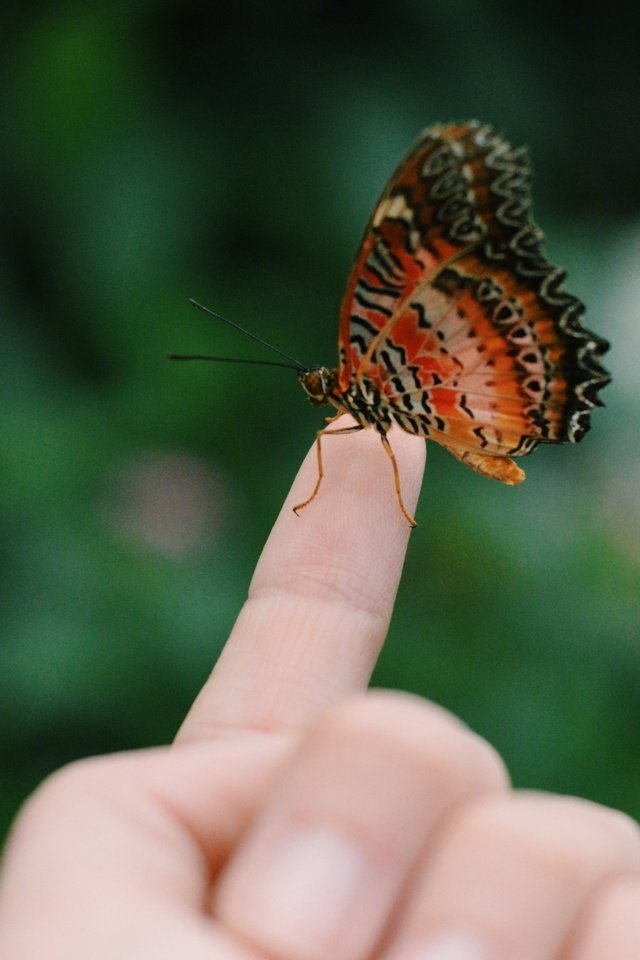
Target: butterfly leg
324 433
396 479
333 419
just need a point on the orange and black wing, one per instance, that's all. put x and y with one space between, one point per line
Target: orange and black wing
453 319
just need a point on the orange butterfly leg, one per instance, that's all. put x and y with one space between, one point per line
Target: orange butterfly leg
496 468
333 419
319 434
396 479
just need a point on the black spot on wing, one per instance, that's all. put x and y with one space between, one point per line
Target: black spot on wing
377 307
358 341
388 265
385 356
384 291
369 328
423 320
400 356
481 437
462 403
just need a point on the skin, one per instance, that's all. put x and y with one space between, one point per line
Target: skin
298 816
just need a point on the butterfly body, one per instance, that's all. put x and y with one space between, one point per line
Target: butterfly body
454 325
362 400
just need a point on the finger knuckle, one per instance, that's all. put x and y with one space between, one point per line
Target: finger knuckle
567 835
57 798
422 732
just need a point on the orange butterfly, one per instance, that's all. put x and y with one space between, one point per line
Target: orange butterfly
454 325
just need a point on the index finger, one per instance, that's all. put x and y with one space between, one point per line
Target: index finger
321 598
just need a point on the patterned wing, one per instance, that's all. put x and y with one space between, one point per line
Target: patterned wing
454 324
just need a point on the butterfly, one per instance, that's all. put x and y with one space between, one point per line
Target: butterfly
454 325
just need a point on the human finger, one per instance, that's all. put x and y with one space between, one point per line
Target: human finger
609 926
114 856
322 868
508 876
321 598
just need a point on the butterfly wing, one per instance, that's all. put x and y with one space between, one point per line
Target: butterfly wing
453 321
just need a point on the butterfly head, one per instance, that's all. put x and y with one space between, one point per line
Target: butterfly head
319 384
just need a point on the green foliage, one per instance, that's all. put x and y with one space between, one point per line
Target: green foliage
232 152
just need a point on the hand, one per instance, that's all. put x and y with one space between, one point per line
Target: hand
298 817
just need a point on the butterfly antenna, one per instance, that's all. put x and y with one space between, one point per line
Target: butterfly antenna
261 363
252 336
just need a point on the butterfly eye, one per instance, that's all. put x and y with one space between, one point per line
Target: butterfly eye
316 383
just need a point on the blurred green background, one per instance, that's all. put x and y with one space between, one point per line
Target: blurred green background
157 150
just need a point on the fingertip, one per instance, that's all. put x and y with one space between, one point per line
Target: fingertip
355 513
